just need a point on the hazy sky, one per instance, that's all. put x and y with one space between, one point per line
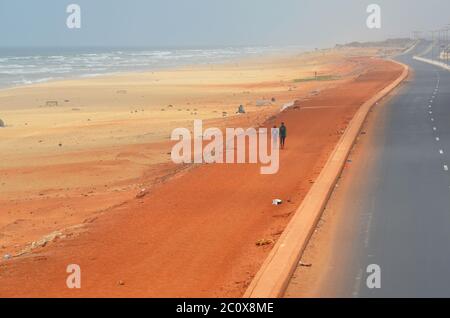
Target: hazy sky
156 23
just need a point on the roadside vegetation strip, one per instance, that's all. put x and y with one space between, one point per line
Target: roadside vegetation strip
432 62
274 275
318 78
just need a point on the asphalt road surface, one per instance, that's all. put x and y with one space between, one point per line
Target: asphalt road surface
397 202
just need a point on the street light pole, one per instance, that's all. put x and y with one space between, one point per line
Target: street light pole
445 45
434 39
447 29
432 45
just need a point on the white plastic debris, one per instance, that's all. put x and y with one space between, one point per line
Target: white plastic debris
286 106
277 202
263 102
142 193
7 257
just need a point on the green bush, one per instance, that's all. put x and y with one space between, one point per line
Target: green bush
317 78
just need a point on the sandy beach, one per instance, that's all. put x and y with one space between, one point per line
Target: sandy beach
109 135
76 153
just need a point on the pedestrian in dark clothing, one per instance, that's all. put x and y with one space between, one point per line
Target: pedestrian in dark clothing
283 135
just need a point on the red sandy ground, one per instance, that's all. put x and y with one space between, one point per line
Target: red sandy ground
195 235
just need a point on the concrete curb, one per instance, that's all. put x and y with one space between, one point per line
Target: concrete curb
272 279
427 50
410 49
436 63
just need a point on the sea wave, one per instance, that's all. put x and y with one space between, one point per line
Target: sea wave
28 68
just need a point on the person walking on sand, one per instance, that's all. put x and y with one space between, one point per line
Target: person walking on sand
275 136
283 135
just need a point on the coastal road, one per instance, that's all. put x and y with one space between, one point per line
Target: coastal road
392 206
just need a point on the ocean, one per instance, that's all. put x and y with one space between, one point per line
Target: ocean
25 66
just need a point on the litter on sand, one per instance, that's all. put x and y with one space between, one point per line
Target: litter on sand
51 103
241 110
263 102
264 242
277 202
286 106
142 193
305 264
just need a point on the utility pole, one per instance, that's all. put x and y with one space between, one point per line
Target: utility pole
432 45
443 43
446 45
433 40
447 29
